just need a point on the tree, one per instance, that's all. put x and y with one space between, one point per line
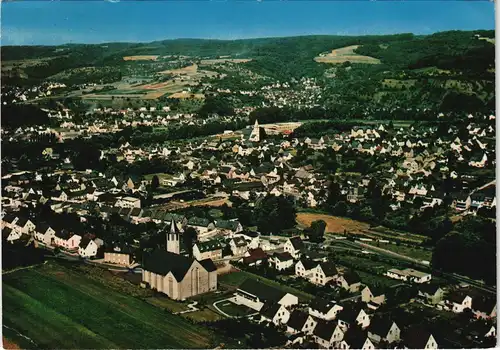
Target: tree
317 230
272 214
189 238
155 183
340 208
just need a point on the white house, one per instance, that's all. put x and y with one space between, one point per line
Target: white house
383 329
324 273
300 322
410 275
327 334
294 246
324 309
305 268
458 302
65 239
275 313
44 233
281 261
87 248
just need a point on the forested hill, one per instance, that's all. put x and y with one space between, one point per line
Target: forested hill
293 55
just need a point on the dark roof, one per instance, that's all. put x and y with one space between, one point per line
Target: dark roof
297 319
6 232
457 296
270 310
64 234
324 329
416 337
42 227
308 264
349 313
484 304
430 288
22 221
285 256
256 254
208 264
239 242
355 337
351 277
9 217
376 290
162 262
297 243
209 246
328 268
261 290
380 325
194 221
322 305
84 242
227 224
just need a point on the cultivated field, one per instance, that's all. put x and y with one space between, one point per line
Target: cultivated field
59 308
141 58
334 224
345 54
224 60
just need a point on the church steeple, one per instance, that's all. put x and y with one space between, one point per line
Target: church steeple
255 135
173 238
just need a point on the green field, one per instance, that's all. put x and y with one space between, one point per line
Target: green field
237 278
59 308
235 310
416 253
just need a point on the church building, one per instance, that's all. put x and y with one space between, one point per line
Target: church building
178 276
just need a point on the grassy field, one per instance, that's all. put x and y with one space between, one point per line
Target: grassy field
59 308
233 309
345 54
141 58
334 224
416 253
237 278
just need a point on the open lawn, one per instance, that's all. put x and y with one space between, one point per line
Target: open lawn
345 54
234 310
237 278
416 253
334 224
60 308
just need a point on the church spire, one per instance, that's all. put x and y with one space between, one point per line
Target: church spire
173 238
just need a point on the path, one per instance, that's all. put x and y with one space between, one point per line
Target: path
356 297
191 308
23 268
219 310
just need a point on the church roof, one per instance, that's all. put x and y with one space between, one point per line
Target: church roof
162 262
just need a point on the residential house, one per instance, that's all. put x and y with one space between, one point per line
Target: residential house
324 309
409 275
275 313
373 296
25 225
417 337
119 256
207 250
355 338
458 301
294 246
324 273
350 281
281 261
326 334
238 246
484 307
305 268
66 239
87 247
382 329
353 314
431 293
461 201
201 225
254 257
300 322
10 235
231 226
254 294
44 233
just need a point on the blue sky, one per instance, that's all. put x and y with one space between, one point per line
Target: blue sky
58 22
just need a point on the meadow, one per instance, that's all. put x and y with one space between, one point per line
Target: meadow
59 308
